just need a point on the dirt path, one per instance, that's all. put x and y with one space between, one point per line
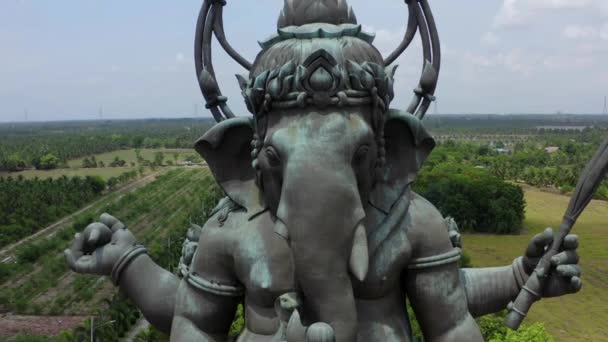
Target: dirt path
11 325
6 253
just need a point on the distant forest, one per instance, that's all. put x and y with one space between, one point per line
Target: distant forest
50 145
511 123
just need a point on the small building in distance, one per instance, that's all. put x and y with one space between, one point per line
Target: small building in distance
502 150
551 149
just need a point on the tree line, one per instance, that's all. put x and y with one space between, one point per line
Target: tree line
28 205
528 161
50 145
477 200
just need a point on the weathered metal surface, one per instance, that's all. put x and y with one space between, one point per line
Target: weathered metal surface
320 235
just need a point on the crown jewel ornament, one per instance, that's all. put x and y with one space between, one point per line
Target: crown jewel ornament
319 81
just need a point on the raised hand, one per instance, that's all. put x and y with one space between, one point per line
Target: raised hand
565 274
100 246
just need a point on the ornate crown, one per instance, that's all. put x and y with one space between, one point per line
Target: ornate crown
320 81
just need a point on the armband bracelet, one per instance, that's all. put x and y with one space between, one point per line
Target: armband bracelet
450 257
213 287
519 272
124 261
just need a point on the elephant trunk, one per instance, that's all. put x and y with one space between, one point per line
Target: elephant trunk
321 216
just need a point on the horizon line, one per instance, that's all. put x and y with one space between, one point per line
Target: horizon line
211 117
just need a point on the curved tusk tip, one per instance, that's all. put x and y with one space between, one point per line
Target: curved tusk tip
281 229
359 256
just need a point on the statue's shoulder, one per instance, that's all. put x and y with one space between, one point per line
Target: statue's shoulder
214 240
226 216
427 230
207 261
228 225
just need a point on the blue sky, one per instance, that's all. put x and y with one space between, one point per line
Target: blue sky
64 59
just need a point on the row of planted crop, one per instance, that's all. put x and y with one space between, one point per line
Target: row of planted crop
40 264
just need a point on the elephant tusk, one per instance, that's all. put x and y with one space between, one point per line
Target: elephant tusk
295 330
281 229
359 256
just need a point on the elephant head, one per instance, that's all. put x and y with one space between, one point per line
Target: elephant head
322 145
316 172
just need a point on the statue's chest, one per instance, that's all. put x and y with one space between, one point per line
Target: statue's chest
386 267
265 267
390 251
264 264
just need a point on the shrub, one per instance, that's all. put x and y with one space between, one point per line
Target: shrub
477 200
494 330
239 322
49 162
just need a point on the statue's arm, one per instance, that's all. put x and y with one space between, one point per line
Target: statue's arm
490 290
202 315
152 289
440 304
432 279
108 248
208 295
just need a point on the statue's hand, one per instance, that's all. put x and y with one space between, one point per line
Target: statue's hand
564 277
98 248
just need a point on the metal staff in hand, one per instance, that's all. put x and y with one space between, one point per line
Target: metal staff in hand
590 180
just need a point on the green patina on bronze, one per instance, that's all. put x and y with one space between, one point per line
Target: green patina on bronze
319 236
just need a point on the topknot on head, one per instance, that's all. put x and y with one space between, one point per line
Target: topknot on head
302 12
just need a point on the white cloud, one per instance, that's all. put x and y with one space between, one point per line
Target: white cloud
558 63
514 60
586 32
386 40
579 32
490 38
521 12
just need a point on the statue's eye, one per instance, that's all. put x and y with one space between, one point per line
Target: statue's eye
272 156
361 154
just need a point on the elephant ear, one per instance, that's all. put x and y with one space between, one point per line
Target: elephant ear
226 149
408 144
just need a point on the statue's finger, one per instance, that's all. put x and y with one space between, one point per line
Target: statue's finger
570 242
539 242
77 248
85 264
118 226
70 259
576 284
123 236
109 220
98 234
568 271
565 258
92 233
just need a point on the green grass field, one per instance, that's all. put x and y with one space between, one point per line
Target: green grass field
106 172
579 317
48 287
130 156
